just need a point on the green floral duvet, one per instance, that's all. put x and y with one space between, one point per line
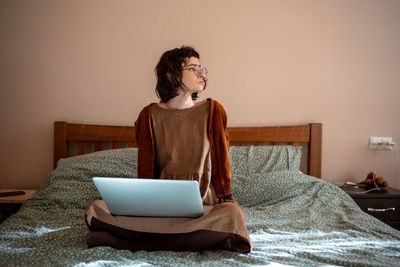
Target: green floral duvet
293 219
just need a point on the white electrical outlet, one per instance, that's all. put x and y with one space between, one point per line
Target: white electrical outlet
380 143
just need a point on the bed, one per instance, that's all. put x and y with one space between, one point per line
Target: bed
294 217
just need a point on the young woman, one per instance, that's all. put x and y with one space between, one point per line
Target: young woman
180 138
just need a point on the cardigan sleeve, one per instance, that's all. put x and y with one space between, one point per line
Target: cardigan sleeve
145 144
219 139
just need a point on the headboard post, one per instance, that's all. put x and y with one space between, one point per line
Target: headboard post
60 141
315 150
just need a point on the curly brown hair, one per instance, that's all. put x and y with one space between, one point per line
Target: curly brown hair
169 72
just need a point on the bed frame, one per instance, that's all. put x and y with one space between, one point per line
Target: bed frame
71 139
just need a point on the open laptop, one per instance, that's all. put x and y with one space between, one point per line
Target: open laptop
150 197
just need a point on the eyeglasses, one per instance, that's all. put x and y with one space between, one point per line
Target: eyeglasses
198 69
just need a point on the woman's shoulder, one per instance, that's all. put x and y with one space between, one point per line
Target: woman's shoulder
145 112
146 108
216 106
215 103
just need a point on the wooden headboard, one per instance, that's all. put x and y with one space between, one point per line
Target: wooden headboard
71 139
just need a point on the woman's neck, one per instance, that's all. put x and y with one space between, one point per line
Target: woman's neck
179 102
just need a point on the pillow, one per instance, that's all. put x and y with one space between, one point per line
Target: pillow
70 185
248 160
270 187
114 162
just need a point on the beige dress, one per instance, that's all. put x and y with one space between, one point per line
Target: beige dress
182 146
183 153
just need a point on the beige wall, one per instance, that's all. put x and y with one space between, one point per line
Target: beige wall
270 62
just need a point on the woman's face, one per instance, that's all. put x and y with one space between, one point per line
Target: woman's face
192 77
